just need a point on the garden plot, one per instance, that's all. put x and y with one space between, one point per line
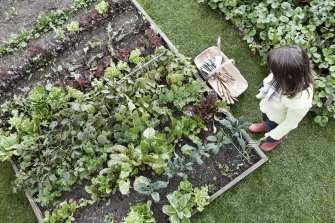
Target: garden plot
16 15
127 134
75 54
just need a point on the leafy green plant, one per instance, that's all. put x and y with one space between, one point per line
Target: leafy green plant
218 140
183 200
102 7
123 162
178 167
102 186
73 27
182 96
185 127
235 127
8 146
180 207
154 150
62 214
144 185
135 56
200 153
140 213
201 197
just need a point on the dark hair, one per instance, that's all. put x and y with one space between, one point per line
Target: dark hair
291 69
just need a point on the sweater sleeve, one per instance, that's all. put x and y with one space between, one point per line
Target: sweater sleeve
291 121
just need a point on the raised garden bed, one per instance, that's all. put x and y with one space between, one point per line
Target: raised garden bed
129 122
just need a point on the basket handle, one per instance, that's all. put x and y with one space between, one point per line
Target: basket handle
220 67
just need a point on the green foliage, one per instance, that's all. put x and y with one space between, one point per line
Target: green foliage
180 207
111 73
201 152
64 136
182 96
187 127
140 213
144 185
62 214
154 150
201 197
102 186
219 140
121 65
235 127
8 146
102 7
178 167
73 27
122 163
183 200
135 57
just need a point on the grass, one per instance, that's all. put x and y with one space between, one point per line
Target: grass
14 208
296 185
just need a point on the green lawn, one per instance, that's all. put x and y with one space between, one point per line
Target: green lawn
297 184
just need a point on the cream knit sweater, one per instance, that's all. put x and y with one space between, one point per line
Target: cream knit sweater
287 112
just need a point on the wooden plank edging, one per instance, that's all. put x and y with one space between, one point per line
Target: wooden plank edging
32 202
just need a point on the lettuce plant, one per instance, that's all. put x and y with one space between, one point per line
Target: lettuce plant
135 56
180 207
102 7
140 213
73 27
63 213
183 200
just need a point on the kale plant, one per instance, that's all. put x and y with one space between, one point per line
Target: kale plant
144 185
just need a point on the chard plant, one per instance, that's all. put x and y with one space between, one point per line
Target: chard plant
144 185
187 127
154 150
140 213
123 163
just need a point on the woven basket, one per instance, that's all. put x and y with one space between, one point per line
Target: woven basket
237 87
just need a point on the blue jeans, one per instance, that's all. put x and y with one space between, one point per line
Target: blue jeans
269 126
